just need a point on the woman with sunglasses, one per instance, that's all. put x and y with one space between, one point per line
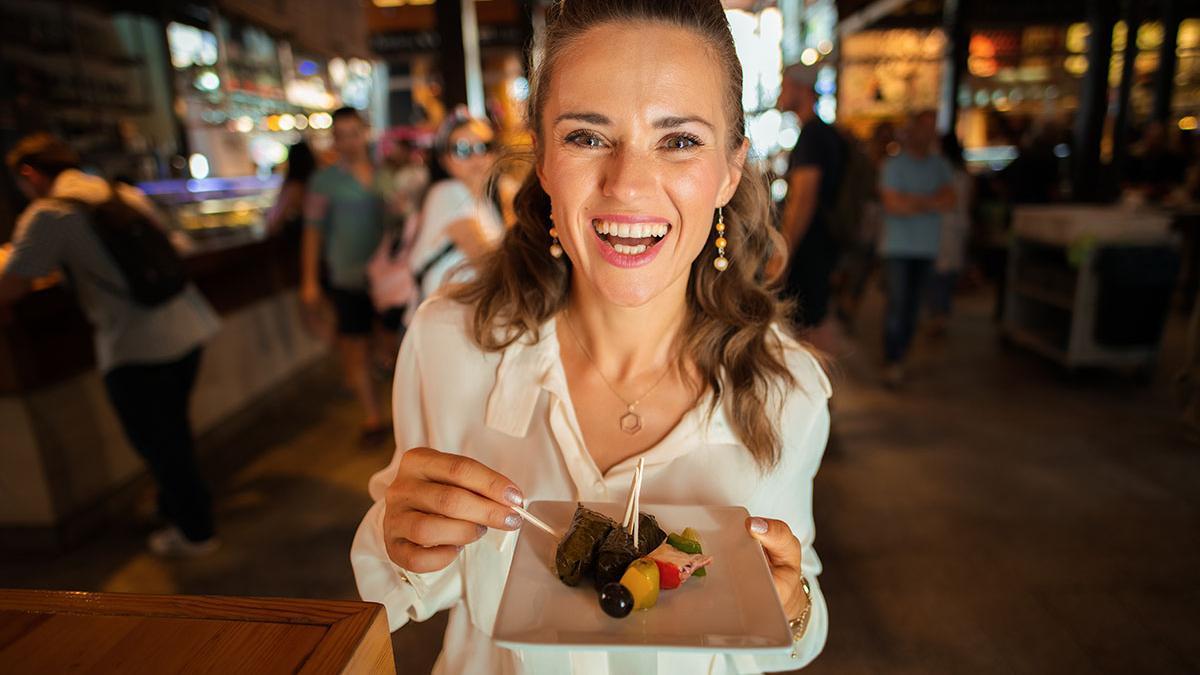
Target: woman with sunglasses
459 221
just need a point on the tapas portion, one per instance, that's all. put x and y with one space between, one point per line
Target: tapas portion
629 562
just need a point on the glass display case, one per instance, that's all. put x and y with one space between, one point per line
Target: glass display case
217 212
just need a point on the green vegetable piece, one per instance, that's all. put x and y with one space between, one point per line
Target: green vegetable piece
685 545
691 534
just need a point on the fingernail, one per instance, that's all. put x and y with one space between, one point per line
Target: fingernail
512 522
758 526
482 530
513 496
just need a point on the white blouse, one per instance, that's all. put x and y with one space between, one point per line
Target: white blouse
511 411
448 201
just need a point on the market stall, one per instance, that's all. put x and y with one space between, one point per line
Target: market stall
1090 285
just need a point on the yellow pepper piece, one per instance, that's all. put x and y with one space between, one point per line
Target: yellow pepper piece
641 578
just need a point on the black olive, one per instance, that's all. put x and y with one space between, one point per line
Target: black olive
616 600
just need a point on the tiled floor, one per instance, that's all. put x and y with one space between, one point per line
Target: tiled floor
997 516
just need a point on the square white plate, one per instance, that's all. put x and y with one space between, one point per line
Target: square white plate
734 608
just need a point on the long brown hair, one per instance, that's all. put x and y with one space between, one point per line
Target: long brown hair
730 315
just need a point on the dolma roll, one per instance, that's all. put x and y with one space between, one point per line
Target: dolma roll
650 535
575 557
613 557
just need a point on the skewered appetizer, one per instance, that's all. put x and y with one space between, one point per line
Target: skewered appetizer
628 562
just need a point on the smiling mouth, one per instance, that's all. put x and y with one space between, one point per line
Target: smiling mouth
630 238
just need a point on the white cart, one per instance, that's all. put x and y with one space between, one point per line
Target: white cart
1053 286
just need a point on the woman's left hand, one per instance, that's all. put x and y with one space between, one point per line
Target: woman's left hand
783 553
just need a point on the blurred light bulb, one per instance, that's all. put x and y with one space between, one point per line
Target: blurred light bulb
198 166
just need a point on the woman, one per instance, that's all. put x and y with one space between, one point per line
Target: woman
952 244
287 215
521 385
459 222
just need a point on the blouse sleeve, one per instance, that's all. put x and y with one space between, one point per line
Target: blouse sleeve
788 496
406 595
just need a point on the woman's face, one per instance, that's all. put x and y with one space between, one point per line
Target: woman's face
633 153
469 156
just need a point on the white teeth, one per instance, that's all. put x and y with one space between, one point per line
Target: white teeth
632 230
629 250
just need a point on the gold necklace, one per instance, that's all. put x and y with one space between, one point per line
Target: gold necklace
630 422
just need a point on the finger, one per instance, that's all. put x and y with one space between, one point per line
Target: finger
781 546
426 529
466 473
454 502
420 559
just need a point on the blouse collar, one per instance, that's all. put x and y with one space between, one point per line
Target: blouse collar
527 368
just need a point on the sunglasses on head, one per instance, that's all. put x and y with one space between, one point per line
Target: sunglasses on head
467 149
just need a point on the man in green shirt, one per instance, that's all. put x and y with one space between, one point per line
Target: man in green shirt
344 218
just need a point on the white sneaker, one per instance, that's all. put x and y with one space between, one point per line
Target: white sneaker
170 542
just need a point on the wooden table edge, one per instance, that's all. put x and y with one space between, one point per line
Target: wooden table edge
217 607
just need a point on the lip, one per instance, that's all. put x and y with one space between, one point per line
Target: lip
620 259
629 218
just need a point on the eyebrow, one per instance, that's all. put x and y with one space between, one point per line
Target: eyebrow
661 123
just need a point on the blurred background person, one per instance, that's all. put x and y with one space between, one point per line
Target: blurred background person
344 214
814 173
1155 168
460 220
389 271
917 187
148 351
952 239
1034 176
287 215
408 179
860 254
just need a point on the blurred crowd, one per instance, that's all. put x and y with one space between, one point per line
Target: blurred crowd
900 206
384 226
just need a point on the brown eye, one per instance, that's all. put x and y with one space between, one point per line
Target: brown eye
584 139
682 142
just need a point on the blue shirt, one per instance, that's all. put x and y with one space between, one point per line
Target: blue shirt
352 225
915 236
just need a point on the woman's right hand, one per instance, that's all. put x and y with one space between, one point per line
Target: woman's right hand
439 503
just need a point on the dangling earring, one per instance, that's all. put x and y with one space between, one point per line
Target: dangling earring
721 263
555 247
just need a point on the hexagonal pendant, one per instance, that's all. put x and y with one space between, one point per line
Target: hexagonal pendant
631 422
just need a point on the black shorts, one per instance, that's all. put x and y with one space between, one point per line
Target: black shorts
355 311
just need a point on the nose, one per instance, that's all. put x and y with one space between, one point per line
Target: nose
628 175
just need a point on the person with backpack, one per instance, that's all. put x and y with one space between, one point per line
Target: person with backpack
816 168
150 323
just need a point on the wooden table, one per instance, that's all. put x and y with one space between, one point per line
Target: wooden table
58 632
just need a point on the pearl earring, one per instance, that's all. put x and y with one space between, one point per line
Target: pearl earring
721 263
555 248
